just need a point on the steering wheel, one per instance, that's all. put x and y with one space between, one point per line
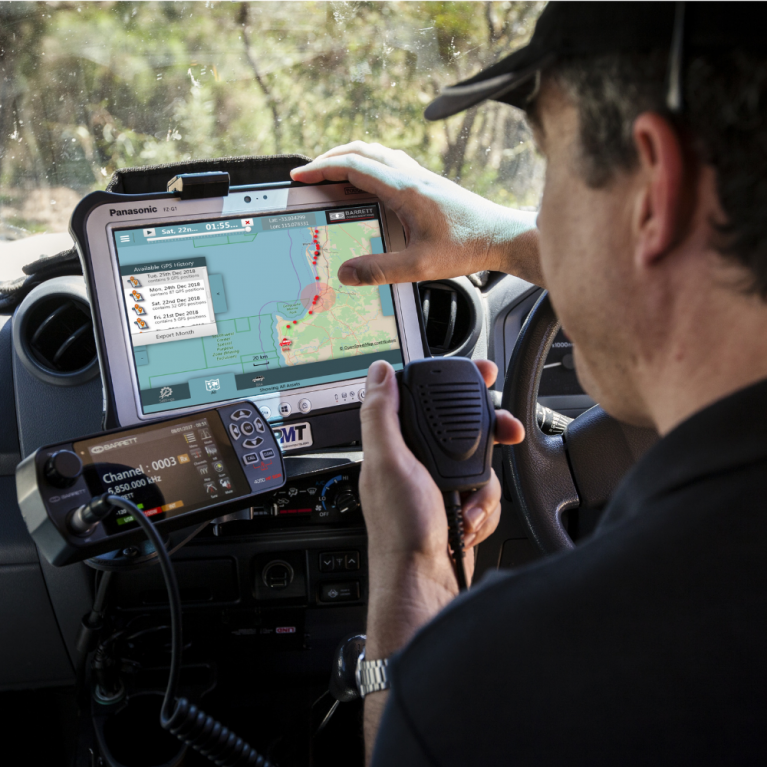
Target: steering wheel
549 474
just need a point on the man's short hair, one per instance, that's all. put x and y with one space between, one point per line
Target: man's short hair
725 114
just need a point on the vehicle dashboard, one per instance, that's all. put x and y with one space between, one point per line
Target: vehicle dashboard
268 590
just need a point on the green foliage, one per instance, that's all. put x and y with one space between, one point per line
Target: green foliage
102 85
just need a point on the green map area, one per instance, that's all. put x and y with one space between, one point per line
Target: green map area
278 304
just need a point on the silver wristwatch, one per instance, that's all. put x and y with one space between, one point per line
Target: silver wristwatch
371 675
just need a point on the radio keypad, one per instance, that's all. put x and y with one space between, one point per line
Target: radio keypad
255 445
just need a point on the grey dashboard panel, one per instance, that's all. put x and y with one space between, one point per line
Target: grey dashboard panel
9 435
32 652
37 602
508 303
46 413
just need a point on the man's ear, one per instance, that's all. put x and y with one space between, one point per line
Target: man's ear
661 210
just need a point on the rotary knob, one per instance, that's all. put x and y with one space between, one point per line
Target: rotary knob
345 499
63 468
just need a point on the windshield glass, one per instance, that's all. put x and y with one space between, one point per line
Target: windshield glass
90 87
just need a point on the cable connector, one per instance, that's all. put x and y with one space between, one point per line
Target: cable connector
84 520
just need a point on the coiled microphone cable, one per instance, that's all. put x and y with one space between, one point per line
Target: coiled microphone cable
455 540
186 721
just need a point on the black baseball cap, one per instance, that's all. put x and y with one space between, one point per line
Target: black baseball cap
567 29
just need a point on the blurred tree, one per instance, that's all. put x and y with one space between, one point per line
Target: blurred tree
90 87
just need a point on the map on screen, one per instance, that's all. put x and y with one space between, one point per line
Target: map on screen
239 307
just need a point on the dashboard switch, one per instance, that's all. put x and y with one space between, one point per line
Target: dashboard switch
326 563
348 591
352 561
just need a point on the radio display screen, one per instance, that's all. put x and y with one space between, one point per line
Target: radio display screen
166 470
230 308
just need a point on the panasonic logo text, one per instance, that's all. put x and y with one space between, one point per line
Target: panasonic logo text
112 445
131 211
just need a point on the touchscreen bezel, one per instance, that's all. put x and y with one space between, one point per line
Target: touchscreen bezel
116 351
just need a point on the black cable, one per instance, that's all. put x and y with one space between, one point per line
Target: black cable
101 594
455 535
185 720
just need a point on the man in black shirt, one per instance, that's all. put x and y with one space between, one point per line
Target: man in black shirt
645 644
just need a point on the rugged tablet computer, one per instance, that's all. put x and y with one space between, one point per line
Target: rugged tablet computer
199 302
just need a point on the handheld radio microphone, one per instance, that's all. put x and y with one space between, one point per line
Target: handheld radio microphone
448 421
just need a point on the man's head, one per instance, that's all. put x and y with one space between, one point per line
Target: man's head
653 237
643 211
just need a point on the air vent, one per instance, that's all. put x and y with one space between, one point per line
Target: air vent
60 334
452 314
53 332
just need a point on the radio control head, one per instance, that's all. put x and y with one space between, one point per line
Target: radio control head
63 468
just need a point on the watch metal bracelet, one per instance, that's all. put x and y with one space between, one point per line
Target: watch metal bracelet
371 675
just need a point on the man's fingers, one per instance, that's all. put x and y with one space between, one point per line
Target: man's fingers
508 430
482 512
394 158
489 371
409 265
366 174
485 530
381 436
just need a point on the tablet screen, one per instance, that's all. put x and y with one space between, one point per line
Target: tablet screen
230 308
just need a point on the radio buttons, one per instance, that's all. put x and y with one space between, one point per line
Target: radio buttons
238 415
253 443
361 395
285 408
234 430
304 405
259 425
251 458
247 428
267 454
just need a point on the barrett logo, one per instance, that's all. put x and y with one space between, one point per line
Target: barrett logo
112 445
352 190
294 436
131 211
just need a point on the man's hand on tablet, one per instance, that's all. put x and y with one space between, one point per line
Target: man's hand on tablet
449 231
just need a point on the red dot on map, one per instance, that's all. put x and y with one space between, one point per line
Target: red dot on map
295 322
316 278
310 311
